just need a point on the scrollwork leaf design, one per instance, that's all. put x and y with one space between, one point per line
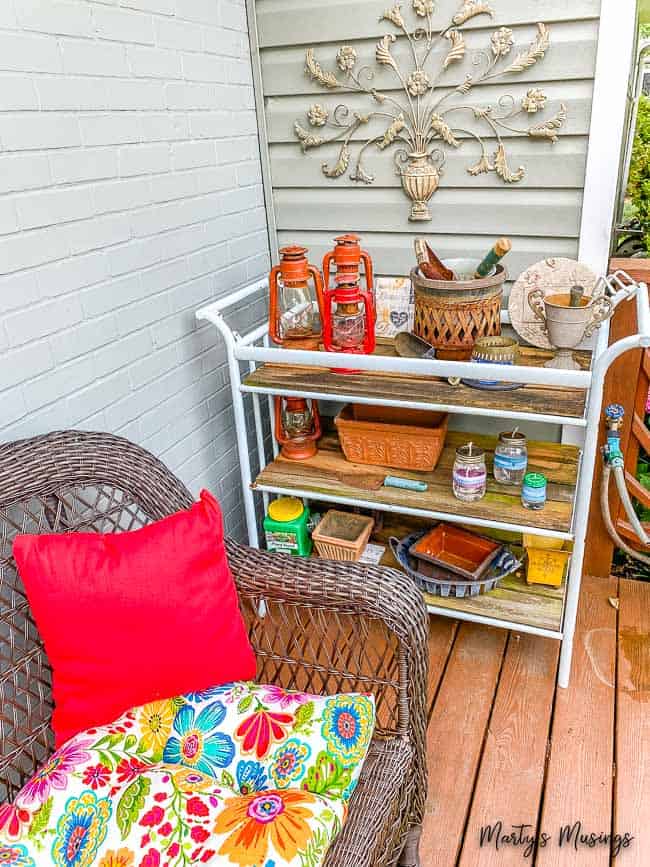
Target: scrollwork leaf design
535 52
392 132
548 128
316 72
457 50
470 9
503 170
340 166
307 138
482 167
442 129
382 51
361 176
394 15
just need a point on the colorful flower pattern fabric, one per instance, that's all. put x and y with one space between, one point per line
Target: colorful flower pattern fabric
242 774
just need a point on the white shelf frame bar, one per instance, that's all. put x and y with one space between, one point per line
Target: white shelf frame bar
434 514
243 349
461 614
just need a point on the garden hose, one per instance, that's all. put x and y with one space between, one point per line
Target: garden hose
607 518
613 461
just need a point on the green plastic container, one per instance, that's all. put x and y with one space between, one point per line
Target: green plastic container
286 527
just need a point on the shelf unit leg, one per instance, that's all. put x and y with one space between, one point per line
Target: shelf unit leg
242 448
259 435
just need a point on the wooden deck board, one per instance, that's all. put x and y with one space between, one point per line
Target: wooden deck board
580 772
632 786
515 750
455 738
503 743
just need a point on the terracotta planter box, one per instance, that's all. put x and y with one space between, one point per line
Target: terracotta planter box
407 439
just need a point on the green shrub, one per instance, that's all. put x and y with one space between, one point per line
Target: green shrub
638 188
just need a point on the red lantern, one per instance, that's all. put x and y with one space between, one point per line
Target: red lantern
349 321
347 255
296 294
297 427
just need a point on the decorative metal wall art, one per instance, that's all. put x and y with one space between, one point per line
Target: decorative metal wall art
422 118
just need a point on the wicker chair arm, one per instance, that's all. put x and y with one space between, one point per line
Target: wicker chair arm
375 592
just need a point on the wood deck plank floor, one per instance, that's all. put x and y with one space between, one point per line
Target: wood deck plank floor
505 744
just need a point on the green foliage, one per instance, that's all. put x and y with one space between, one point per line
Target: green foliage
327 777
131 804
638 188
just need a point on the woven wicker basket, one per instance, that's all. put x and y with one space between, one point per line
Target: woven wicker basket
452 315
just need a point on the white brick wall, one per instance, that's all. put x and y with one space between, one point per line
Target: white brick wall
130 193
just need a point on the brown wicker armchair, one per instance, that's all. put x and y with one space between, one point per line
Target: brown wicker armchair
328 627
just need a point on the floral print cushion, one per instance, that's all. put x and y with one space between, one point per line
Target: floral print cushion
242 774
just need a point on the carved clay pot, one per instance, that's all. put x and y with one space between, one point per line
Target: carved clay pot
420 178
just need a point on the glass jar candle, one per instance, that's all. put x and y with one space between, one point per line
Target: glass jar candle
511 458
469 474
533 491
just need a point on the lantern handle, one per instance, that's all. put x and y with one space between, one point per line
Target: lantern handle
371 317
273 305
327 266
318 285
367 267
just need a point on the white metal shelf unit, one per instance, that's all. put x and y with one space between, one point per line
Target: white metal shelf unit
253 349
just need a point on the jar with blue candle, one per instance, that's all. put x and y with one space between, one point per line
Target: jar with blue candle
511 458
533 491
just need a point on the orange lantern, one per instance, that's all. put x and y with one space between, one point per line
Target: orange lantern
297 427
347 255
296 300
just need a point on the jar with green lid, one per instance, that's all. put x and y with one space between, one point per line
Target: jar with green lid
533 491
286 527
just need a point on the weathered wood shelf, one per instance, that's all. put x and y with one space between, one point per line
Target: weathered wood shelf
535 606
329 474
552 404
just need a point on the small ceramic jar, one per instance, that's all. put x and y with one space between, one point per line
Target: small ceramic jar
469 474
511 458
533 491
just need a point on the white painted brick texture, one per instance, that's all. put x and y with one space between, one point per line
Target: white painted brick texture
130 193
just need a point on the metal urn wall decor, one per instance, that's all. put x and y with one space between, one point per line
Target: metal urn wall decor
426 118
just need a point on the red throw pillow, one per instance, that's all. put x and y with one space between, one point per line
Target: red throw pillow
128 618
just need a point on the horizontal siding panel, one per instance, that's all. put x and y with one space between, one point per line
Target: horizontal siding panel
283 112
284 22
553 213
572 55
392 253
559 166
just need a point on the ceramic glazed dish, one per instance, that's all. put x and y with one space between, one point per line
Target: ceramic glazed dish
551 276
449 584
456 550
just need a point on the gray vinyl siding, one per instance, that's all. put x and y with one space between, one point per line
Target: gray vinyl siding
541 214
